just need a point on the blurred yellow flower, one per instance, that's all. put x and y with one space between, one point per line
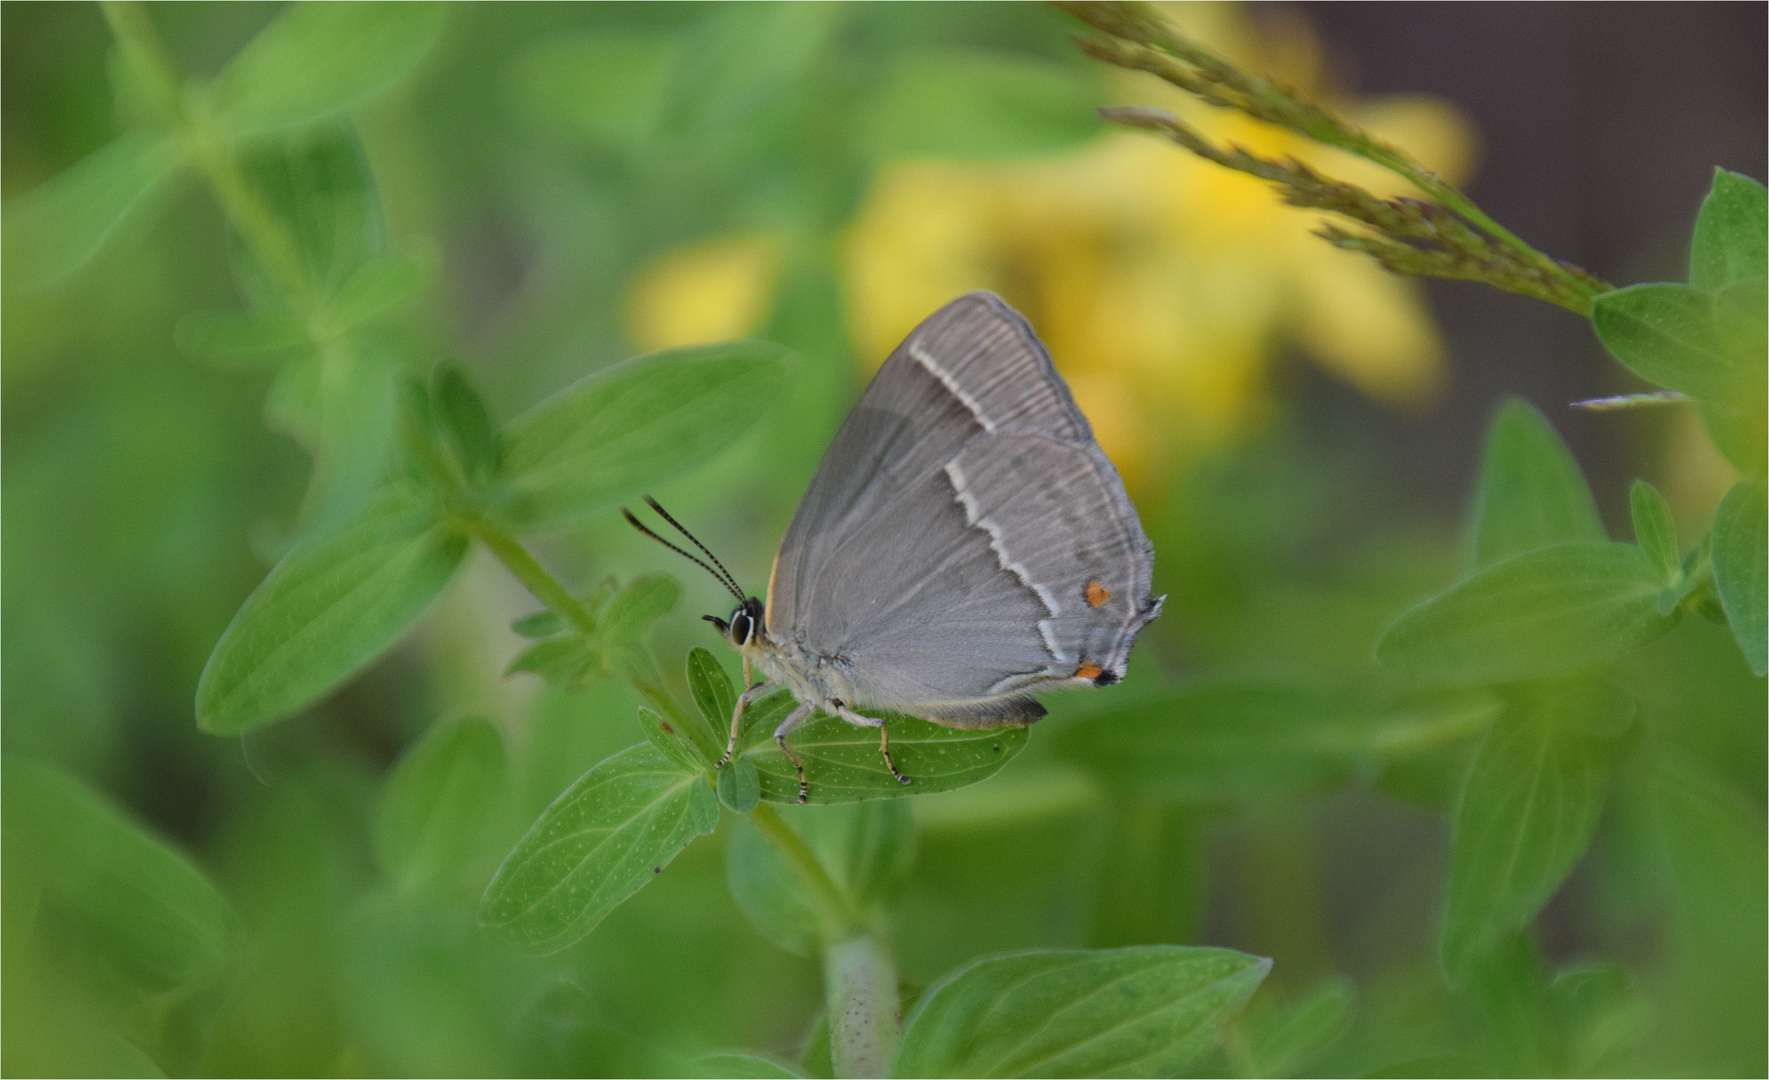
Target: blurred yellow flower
1163 284
708 292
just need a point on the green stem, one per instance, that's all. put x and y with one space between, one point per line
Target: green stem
834 912
210 152
860 998
531 574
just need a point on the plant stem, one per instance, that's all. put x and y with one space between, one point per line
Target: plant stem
834 911
531 574
209 151
860 999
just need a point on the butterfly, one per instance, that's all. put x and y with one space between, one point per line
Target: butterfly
964 545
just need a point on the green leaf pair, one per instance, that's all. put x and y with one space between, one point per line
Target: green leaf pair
337 601
1708 338
613 646
1551 595
310 64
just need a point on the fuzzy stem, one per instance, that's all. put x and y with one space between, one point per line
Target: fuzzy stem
860 999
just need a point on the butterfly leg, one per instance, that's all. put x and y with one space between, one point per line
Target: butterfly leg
749 695
884 739
798 716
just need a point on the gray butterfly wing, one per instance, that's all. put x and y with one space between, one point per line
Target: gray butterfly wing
965 540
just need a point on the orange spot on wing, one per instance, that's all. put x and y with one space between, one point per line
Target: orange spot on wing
1089 670
1097 594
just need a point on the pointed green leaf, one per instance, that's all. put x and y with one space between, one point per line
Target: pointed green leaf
1654 531
634 425
230 338
1527 814
440 798
712 690
1531 491
325 611
542 624
464 423
561 661
670 741
1549 612
153 917
1731 241
317 59
609 834
374 287
973 104
843 765
1667 335
1739 566
738 786
52 230
1150 1010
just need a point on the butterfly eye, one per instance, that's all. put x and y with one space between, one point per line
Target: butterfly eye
741 625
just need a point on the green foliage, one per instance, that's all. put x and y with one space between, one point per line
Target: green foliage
1145 1011
946 103
1531 493
320 59
605 837
1654 532
1550 612
441 797
1528 811
153 919
843 765
620 431
1731 241
1286 1039
612 647
325 611
1739 566
53 230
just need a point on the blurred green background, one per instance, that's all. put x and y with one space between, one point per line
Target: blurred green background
580 183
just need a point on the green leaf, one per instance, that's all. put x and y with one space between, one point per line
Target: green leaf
341 404
634 425
1284 1041
153 917
1654 531
440 798
714 696
319 186
52 230
230 338
1531 491
743 1067
1739 566
464 423
738 786
1531 803
843 765
604 87
1731 241
1667 335
609 834
622 624
541 624
1737 417
1228 741
318 59
1150 1010
1550 612
668 740
563 662
374 287
325 611
868 849
971 104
